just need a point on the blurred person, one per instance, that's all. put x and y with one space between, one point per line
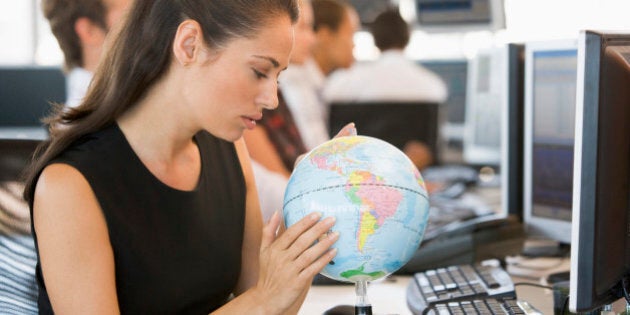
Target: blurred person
334 23
81 27
392 77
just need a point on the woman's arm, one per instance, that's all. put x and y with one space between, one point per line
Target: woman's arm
262 150
77 260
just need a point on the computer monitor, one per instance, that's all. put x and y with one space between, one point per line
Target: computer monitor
394 122
459 15
512 122
454 73
600 245
25 97
485 99
550 85
369 9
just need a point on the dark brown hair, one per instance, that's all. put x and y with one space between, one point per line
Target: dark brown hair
139 57
63 15
390 30
328 13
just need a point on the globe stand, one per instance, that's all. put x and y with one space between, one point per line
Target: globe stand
362 306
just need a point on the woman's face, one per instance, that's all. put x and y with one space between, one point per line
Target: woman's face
234 85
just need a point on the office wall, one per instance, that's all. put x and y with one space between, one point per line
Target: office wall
26 39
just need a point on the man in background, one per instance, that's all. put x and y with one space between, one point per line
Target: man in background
335 23
81 27
392 77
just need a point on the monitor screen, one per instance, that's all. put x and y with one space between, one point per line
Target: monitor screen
26 94
600 246
369 9
454 73
550 83
459 15
485 100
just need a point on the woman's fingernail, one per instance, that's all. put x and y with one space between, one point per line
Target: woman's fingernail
316 215
333 235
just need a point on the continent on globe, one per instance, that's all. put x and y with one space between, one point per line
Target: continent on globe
377 195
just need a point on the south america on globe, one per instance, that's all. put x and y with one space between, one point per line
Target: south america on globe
377 196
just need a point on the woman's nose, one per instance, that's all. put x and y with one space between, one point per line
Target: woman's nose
269 97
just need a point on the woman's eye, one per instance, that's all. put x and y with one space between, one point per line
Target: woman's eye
259 74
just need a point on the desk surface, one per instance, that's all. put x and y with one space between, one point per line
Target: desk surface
389 297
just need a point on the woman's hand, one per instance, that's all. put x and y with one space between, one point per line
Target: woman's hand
289 261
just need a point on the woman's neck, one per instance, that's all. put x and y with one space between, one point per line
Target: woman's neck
157 124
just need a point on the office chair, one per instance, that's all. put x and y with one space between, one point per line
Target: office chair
392 121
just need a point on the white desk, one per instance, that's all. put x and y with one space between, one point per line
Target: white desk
386 297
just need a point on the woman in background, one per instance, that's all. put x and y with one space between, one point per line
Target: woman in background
143 200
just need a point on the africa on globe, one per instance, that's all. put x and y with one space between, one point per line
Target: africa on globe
377 196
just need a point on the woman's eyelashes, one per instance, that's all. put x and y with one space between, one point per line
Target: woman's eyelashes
259 74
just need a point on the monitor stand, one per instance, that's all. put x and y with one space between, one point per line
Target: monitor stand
545 248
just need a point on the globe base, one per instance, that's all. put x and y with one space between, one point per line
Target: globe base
363 310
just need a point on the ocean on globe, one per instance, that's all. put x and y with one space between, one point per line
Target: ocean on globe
377 196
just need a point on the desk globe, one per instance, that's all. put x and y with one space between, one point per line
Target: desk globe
378 198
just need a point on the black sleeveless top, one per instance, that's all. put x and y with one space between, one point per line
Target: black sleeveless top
175 252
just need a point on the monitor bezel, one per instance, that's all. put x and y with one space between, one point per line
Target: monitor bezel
512 121
585 262
553 229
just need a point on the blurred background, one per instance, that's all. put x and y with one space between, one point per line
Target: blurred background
26 38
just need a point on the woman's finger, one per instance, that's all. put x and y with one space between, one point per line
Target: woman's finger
311 254
309 237
289 236
269 230
347 130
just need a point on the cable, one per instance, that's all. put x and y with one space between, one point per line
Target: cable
523 263
533 285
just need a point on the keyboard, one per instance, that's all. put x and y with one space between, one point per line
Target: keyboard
511 306
458 283
445 212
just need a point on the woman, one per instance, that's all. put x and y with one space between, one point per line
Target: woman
143 199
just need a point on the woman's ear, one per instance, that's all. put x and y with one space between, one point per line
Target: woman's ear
188 42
